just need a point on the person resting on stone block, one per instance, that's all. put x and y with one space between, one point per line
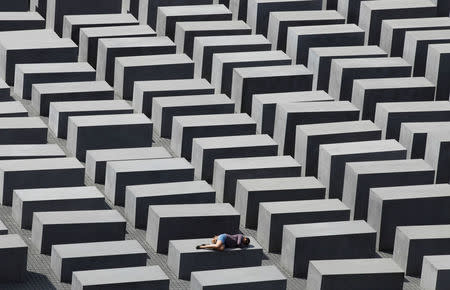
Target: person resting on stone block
220 242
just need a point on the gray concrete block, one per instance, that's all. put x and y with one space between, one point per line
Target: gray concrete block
107 132
437 69
13 109
205 48
184 259
22 130
437 154
377 273
165 108
178 221
145 91
19 5
228 171
264 106
13 252
414 136
367 93
67 227
320 59
248 81
390 116
343 72
120 174
206 150
273 216
393 31
150 277
30 151
301 38
416 47
251 193
349 9
309 138
10 21
36 73
111 48
325 241
443 7
96 160
186 128
279 22
26 202
435 270
139 197
412 243
263 277
61 111
390 207
69 258
372 14
186 32
360 177
334 157
289 115
73 23
90 36
39 173
223 65
149 68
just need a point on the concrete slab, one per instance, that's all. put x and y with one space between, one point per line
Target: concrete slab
436 154
435 272
10 21
22 130
12 109
437 69
13 251
30 151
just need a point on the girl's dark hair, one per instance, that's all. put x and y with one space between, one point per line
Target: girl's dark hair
246 241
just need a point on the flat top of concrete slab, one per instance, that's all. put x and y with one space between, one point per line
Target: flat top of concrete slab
387 83
213 120
99 249
441 262
419 35
257 162
306 15
34 34
234 141
12 107
128 153
11 241
324 29
337 128
388 4
100 19
188 246
439 135
30 149
171 188
119 275
72 87
22 122
193 210
280 183
414 106
64 67
329 229
425 232
356 266
248 56
228 40
148 60
294 97
312 107
79 217
193 10
271 71
298 206
40 164
173 85
238 275
58 193
362 147
417 22
371 62
108 120
347 50
21 43
212 25
150 165
389 166
409 192
130 42
19 15
192 100
101 105
425 127
440 47
117 30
